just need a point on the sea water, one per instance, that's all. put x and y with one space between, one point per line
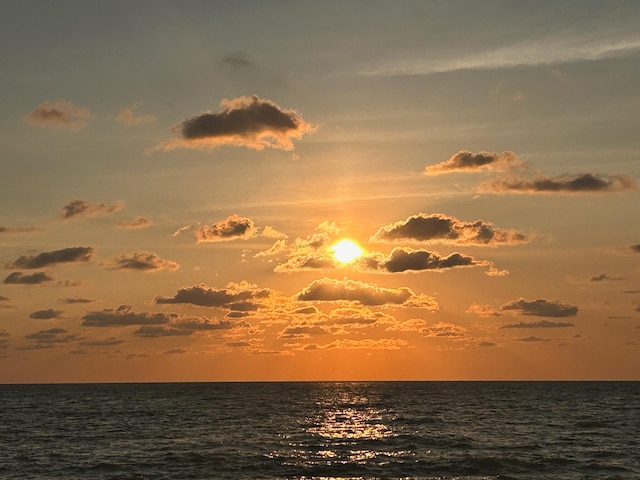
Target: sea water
345 430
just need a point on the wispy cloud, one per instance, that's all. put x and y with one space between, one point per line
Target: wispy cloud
142 261
136 223
549 50
12 230
250 122
60 114
128 117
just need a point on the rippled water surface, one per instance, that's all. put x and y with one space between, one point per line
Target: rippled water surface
426 430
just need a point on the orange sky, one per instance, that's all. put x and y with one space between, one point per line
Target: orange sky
176 175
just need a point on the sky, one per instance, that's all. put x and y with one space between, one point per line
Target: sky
283 190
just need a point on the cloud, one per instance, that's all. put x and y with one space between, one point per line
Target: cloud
465 161
236 60
445 330
407 259
533 339
205 296
4 339
106 342
82 208
143 261
136 223
303 330
635 248
60 114
330 290
45 259
52 336
47 314
438 227
310 253
249 122
364 344
14 230
74 300
186 326
487 344
541 324
233 227
18 278
129 118
124 316
539 308
604 277
568 184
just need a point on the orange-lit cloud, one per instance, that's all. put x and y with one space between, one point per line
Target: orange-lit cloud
445 330
128 117
465 161
60 114
76 300
250 122
82 208
330 290
183 326
45 259
18 278
136 223
438 227
540 324
234 227
567 184
142 261
124 316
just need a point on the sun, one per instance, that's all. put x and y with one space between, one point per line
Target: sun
346 250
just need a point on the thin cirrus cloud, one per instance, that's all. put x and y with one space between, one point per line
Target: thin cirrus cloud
538 308
466 161
438 227
331 290
60 114
128 117
567 184
250 122
142 261
83 208
18 278
45 259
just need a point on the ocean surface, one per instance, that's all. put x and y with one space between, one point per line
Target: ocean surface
340 430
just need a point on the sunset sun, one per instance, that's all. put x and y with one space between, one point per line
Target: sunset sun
346 250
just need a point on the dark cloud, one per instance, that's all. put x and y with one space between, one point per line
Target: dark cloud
236 60
540 308
107 342
329 290
533 339
47 314
581 183
541 324
405 259
45 259
635 248
465 161
604 277
82 208
445 330
205 296
18 278
143 261
52 336
10 230
233 227
438 227
487 344
186 326
123 316
136 223
61 114
5 302
250 122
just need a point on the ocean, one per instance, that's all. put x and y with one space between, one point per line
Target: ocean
321 430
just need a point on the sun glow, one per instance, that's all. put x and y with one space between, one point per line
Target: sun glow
346 250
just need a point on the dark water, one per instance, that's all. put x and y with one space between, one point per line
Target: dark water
427 430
